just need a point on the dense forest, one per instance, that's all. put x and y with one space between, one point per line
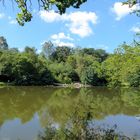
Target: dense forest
63 64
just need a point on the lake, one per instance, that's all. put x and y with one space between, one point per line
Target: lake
26 111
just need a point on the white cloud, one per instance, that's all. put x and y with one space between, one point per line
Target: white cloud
62 43
68 44
77 22
50 16
2 15
102 46
61 36
13 21
80 23
135 29
58 40
121 10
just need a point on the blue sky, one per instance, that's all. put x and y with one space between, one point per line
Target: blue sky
98 23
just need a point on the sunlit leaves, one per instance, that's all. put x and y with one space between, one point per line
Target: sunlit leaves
25 15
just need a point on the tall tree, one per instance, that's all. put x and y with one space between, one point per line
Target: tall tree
61 54
3 43
47 49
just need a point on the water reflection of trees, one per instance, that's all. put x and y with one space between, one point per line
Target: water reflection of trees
81 133
20 102
80 126
58 103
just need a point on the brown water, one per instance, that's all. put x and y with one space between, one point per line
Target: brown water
25 111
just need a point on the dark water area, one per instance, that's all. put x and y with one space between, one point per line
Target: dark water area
26 111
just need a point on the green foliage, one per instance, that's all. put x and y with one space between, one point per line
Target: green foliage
99 54
80 125
87 133
6 62
25 15
24 68
54 64
122 68
134 79
66 65
60 54
87 67
62 72
89 76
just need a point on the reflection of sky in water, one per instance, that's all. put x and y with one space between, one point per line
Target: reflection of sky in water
13 130
130 126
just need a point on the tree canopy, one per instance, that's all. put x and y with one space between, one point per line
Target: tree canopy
69 65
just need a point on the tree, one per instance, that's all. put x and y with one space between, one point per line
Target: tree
134 79
3 43
61 54
47 49
122 68
62 72
89 51
29 69
100 54
6 64
88 76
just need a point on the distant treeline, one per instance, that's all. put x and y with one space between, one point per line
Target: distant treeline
69 65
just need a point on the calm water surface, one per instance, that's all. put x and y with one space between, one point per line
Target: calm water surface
26 111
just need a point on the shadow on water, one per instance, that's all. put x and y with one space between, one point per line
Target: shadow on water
62 106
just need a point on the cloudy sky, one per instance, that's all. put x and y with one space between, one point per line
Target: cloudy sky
98 23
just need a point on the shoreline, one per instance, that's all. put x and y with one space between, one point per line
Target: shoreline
60 85
72 85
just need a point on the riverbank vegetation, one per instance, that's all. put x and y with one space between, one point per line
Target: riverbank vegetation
67 65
